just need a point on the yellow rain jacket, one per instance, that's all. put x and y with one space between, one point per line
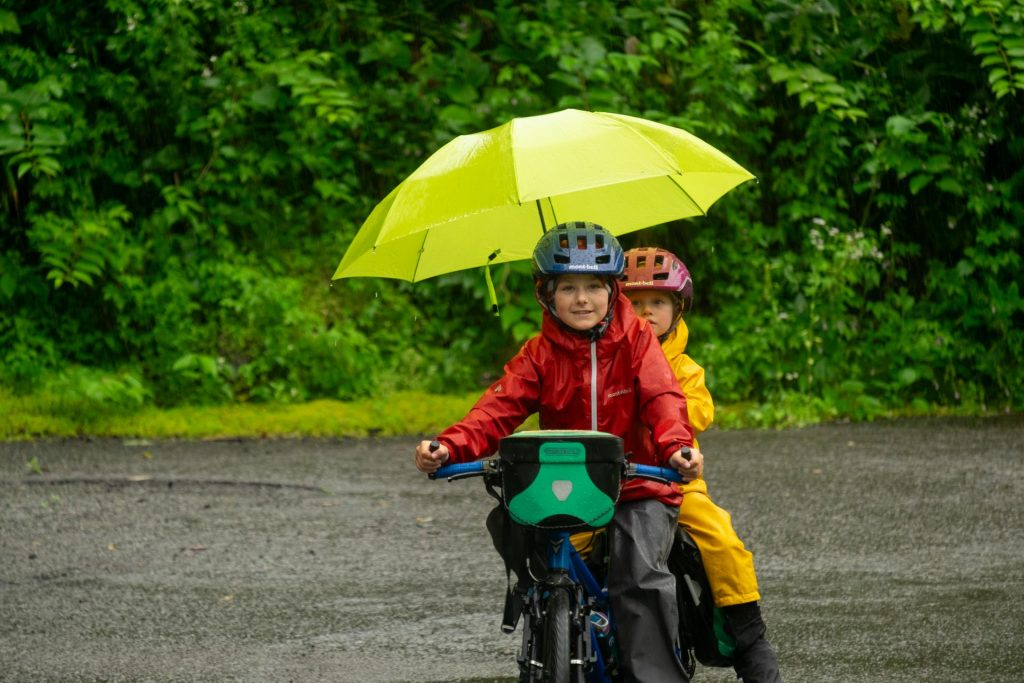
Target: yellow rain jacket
690 376
729 565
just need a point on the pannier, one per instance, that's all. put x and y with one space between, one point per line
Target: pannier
561 479
701 624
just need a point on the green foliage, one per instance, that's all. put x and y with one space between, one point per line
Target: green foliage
123 390
995 30
79 250
180 180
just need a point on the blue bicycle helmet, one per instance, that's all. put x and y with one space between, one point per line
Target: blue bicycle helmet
578 247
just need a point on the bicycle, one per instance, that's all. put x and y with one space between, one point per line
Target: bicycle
559 482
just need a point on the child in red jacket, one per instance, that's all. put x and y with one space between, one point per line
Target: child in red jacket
596 366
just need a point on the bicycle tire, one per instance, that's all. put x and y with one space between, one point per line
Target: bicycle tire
556 638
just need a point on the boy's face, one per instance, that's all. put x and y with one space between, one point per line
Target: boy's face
654 306
581 301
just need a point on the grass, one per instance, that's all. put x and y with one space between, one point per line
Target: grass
42 416
49 415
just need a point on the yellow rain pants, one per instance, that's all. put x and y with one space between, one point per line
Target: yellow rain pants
729 565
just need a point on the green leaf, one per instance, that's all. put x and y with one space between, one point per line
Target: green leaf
918 182
977 23
897 126
984 37
9 22
48 136
951 186
266 97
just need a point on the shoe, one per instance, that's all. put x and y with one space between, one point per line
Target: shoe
754 659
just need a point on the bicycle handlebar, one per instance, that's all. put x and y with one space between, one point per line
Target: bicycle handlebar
478 468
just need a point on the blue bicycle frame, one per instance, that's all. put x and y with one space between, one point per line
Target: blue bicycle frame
565 566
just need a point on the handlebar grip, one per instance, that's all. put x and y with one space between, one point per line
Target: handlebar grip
663 473
459 468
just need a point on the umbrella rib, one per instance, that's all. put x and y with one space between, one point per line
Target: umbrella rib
672 179
416 268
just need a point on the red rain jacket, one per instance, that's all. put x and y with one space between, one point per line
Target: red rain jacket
555 374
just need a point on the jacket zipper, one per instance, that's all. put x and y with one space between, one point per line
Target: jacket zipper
593 386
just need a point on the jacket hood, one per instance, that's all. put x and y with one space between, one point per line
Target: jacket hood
675 343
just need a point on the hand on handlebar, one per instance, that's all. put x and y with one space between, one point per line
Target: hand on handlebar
430 455
691 467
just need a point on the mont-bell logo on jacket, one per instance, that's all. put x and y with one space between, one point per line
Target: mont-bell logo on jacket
620 392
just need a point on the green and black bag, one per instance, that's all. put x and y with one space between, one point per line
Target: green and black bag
561 479
702 626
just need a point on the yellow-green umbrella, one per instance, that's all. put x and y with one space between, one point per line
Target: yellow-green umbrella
486 198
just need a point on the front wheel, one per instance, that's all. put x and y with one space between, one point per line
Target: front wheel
556 638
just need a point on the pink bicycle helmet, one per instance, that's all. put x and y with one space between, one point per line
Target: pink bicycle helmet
650 268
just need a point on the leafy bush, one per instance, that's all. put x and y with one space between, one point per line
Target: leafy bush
180 180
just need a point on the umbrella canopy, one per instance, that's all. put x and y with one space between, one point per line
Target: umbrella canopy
486 198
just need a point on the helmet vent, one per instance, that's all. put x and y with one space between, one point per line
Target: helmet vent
661 276
603 259
563 240
561 258
599 241
659 261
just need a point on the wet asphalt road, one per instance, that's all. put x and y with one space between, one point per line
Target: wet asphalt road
886 552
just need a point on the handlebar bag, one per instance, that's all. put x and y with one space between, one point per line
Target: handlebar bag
561 479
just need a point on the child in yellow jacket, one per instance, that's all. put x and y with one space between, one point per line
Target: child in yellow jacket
659 286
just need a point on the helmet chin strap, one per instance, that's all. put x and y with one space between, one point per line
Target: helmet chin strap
598 330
